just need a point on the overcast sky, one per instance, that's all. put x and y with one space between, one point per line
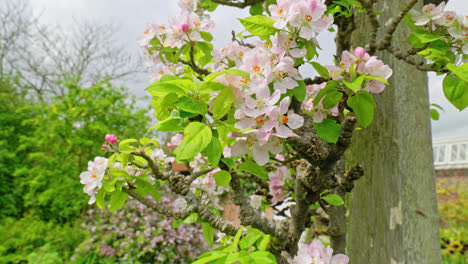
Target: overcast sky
132 15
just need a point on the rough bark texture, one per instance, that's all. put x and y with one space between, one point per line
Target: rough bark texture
393 209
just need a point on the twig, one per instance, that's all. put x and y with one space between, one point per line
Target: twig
388 35
374 22
237 4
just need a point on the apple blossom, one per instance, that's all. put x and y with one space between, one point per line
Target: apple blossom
316 253
429 13
93 177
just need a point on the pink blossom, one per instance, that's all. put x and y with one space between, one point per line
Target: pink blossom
281 122
276 181
316 252
429 12
309 16
359 53
93 177
281 13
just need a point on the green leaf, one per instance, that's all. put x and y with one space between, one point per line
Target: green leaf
330 87
456 91
263 245
172 124
196 137
108 186
222 178
333 199
149 188
263 257
192 105
213 151
328 130
235 72
100 198
208 233
247 241
434 114
321 70
261 26
363 106
420 37
376 79
300 91
461 71
222 103
209 5
311 50
180 86
254 168
210 87
256 9
331 99
236 240
206 36
163 106
356 84
117 199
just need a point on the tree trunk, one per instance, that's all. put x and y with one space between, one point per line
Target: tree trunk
393 208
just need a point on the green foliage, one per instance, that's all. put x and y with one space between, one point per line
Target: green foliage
328 130
247 249
363 106
452 195
67 133
36 241
260 26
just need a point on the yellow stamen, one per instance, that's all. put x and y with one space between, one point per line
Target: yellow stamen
308 18
256 68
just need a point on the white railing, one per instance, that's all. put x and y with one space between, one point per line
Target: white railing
451 153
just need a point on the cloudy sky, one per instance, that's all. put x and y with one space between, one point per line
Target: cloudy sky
132 15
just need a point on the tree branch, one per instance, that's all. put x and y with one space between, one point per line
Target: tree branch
388 35
374 22
237 4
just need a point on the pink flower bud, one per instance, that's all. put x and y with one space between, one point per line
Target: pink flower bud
185 28
359 53
104 146
170 145
111 138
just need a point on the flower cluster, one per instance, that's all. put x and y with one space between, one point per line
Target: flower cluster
440 21
316 109
316 252
138 234
187 27
276 184
208 190
93 177
361 63
110 139
307 17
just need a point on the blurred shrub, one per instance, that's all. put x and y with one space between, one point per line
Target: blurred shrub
136 234
31 240
453 214
66 134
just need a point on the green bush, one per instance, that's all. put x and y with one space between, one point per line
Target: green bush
453 214
43 148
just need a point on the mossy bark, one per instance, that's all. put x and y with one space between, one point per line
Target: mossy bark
392 212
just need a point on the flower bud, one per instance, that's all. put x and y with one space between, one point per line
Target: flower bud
104 146
359 53
185 28
111 138
170 145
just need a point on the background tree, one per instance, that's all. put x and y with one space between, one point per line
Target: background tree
42 55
